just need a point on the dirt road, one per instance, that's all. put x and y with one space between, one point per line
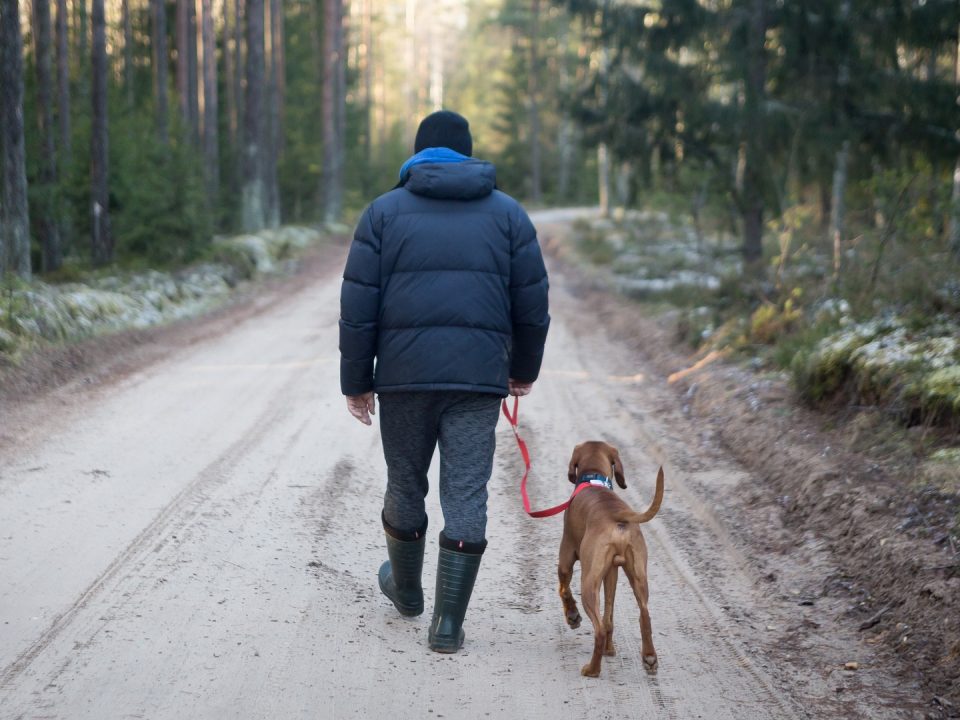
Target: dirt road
199 539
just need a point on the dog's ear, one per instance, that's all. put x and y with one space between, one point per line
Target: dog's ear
618 467
574 462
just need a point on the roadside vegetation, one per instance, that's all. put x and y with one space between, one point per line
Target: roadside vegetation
78 303
878 336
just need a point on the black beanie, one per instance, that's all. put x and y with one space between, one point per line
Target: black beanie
444 129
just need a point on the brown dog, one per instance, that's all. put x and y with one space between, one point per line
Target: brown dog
603 533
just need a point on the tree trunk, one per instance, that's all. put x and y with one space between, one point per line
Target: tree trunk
229 69
752 205
367 35
837 204
127 52
253 199
187 68
63 88
603 179
160 67
193 72
536 189
65 158
102 240
272 147
82 50
14 213
330 177
183 64
48 217
955 194
341 106
211 138
239 68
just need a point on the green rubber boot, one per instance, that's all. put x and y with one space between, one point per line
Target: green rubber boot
400 575
456 574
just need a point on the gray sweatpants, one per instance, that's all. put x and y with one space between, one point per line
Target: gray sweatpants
412 424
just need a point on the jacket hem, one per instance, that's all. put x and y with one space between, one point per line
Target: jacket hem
430 387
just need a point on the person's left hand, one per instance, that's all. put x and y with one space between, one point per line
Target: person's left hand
362 407
517 388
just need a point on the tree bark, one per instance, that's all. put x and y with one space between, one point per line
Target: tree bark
15 212
752 205
955 194
253 208
127 52
193 72
536 189
63 88
229 69
211 139
603 179
160 67
272 148
837 205
187 68
331 180
239 68
183 65
48 218
102 239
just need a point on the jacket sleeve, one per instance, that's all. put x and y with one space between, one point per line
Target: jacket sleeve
360 308
528 301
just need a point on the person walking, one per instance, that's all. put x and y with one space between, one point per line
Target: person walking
443 312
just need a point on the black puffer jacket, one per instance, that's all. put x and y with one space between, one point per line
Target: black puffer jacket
445 286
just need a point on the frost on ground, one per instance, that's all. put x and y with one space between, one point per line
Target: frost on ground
38 311
886 361
901 364
648 254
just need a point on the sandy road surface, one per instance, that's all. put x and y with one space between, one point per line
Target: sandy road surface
200 540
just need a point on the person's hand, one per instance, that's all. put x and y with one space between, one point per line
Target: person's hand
362 407
519 389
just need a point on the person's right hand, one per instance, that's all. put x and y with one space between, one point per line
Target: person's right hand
517 388
362 407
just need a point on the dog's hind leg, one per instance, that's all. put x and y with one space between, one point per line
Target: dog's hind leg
590 579
638 581
568 556
609 594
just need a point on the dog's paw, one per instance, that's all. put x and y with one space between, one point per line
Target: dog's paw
650 664
573 620
589 671
610 650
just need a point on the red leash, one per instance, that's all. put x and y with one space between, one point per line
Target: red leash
525 453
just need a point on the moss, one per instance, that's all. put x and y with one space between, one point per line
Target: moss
941 394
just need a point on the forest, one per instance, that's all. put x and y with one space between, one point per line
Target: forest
135 130
810 148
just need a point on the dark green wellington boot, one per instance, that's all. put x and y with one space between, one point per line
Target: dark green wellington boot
400 575
457 568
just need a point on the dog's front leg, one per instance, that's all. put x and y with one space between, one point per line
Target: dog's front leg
568 556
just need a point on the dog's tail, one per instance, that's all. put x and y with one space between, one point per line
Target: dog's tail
628 516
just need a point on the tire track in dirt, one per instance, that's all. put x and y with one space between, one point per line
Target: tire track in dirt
179 513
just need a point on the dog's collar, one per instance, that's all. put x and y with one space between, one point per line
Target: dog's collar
596 479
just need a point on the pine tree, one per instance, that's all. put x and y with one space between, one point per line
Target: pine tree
14 211
102 238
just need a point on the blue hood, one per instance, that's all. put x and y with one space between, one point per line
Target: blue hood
433 156
444 174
